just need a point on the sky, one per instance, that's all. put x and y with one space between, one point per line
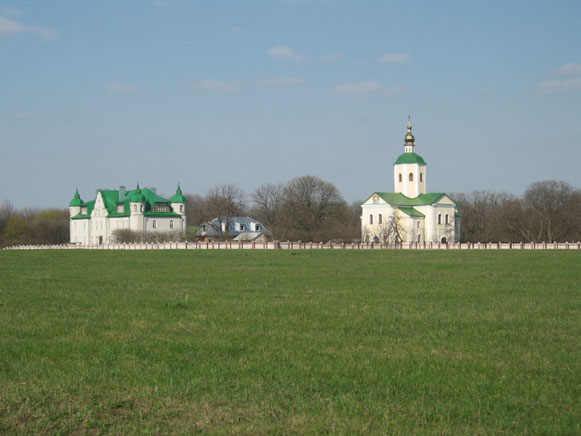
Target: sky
98 94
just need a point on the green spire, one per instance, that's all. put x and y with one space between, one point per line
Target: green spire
76 201
137 197
178 197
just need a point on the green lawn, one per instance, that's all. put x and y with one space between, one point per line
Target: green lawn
281 342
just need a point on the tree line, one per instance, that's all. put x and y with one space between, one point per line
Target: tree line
308 208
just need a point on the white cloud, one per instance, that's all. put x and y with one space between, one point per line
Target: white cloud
284 81
570 69
560 86
284 53
215 85
9 12
24 115
359 88
11 27
332 58
120 87
394 58
237 29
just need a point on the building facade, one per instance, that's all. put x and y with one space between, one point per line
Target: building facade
140 210
410 214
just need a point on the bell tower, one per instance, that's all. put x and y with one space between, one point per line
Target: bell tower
409 170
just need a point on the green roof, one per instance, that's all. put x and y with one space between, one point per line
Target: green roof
112 200
76 201
178 197
397 199
410 211
410 158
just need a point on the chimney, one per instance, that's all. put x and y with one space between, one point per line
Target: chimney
121 194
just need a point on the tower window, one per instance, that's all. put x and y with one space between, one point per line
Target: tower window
380 219
182 208
400 178
411 177
370 219
421 177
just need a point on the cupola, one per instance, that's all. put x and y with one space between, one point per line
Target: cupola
178 197
76 201
137 196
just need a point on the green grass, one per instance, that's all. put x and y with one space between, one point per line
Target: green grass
309 342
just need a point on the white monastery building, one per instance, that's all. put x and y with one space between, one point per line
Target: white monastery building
410 214
140 210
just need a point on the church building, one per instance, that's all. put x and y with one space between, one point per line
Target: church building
140 210
409 214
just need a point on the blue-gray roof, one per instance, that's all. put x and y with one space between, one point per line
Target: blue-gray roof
236 226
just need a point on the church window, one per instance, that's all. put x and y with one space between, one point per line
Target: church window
182 208
439 218
418 225
171 224
141 209
370 219
411 177
380 219
400 178
447 220
155 224
421 177
134 208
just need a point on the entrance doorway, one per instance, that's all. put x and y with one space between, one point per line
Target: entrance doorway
100 240
444 240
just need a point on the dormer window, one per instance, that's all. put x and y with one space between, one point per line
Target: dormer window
120 208
160 207
84 210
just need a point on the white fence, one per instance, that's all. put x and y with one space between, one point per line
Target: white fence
288 245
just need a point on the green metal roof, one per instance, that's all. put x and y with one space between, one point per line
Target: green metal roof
397 199
410 158
76 201
112 200
410 211
178 197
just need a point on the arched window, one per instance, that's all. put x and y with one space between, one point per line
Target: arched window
370 219
182 208
142 208
171 224
421 177
439 218
380 219
155 224
411 177
447 220
400 178
134 208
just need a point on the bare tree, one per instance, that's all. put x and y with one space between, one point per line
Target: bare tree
312 208
6 211
269 200
392 230
224 202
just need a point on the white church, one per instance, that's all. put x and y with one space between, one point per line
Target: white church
141 210
409 214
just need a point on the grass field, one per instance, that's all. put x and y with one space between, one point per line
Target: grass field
312 342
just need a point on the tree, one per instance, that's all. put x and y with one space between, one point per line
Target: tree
50 227
224 202
268 207
312 208
549 203
6 211
17 231
392 230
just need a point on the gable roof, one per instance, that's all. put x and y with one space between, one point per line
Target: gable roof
397 199
211 226
111 200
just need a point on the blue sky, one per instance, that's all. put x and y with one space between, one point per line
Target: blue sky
98 94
